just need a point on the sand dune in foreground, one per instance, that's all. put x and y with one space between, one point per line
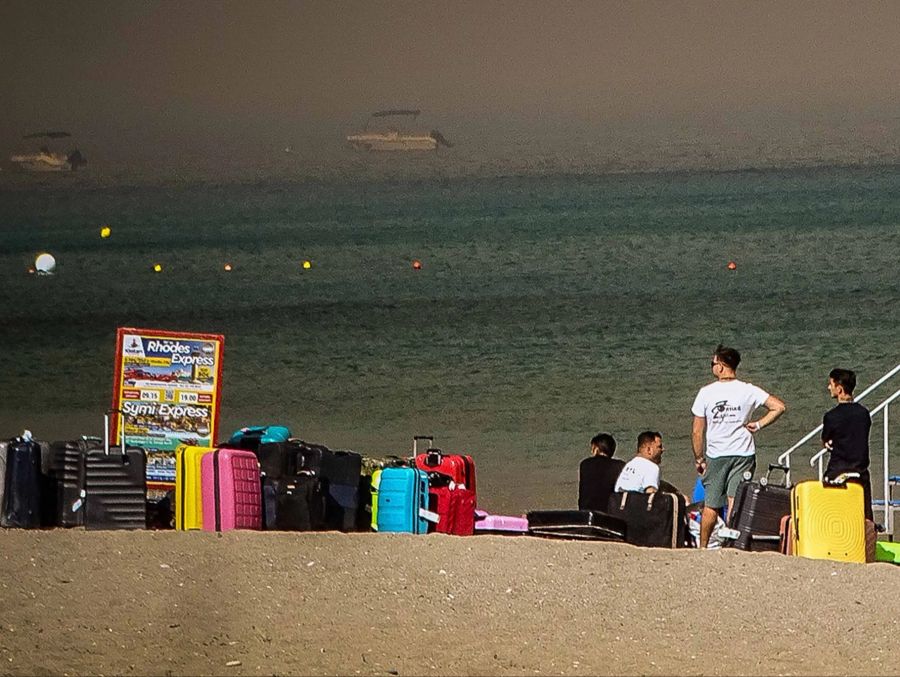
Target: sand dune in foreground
372 604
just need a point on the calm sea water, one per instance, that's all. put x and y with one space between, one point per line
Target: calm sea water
549 307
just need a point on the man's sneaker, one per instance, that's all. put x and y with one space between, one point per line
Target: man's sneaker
725 532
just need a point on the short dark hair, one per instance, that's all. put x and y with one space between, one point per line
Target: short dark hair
605 442
647 437
845 377
728 356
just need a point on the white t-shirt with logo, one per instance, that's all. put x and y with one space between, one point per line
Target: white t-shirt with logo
727 407
638 474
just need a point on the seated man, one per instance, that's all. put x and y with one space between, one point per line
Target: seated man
641 474
598 473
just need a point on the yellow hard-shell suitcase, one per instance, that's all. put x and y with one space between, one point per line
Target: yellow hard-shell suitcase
376 481
829 521
188 497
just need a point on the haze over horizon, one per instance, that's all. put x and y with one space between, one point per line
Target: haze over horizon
232 76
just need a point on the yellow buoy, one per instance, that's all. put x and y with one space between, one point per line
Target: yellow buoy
307 265
105 231
157 268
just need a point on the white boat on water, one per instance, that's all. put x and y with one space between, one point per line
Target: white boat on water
394 139
46 160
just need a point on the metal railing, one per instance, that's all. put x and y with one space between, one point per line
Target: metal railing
819 456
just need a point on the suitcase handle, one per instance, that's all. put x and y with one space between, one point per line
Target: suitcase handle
422 438
776 466
841 480
433 458
106 435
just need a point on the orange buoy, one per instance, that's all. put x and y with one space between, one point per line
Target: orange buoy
416 264
732 265
227 267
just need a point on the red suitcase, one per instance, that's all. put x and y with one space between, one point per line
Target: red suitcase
455 509
461 469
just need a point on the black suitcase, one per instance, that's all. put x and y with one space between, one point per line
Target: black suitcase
269 495
22 498
116 485
341 471
3 447
273 459
577 524
49 498
757 512
657 520
300 504
305 457
67 481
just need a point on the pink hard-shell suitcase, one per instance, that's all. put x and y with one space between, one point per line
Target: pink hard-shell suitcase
499 524
230 484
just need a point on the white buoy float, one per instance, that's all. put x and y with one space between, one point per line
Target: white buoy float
45 264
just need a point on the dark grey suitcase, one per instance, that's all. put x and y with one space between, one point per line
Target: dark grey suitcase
22 499
67 472
757 512
115 484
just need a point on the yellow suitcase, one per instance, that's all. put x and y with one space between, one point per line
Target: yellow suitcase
829 521
376 481
188 498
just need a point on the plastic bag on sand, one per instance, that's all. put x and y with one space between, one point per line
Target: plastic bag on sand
715 539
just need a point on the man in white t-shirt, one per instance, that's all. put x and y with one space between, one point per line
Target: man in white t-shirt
722 410
641 474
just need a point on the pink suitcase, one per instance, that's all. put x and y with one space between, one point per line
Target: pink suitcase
230 484
499 524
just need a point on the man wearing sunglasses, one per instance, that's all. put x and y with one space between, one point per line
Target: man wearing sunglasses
722 413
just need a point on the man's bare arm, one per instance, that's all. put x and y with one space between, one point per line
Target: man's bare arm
775 409
697 431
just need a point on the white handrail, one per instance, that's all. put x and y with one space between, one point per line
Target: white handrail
785 458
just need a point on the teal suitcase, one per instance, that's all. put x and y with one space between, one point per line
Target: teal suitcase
403 501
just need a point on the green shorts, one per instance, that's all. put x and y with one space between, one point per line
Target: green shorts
722 476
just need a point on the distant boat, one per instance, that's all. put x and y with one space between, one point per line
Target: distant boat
395 140
46 160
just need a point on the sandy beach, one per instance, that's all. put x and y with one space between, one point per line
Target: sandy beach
246 603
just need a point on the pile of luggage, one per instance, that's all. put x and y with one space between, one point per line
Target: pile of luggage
264 479
261 478
72 484
657 520
811 519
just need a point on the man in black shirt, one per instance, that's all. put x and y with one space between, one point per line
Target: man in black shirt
598 473
845 433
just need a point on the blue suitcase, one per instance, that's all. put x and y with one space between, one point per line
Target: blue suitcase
403 501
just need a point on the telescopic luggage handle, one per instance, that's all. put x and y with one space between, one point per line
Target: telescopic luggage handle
422 438
106 435
775 466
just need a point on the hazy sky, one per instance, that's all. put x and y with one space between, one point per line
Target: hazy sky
121 70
